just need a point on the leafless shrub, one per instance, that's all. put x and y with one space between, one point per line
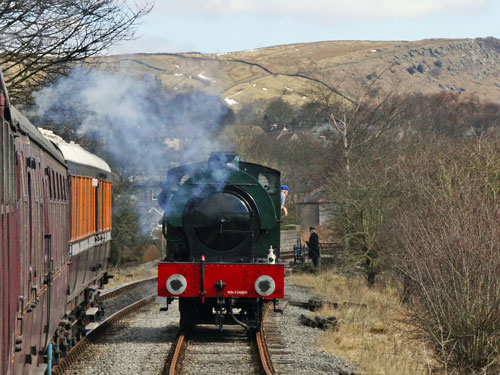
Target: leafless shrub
449 115
361 211
451 237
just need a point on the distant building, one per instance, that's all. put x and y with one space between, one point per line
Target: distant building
314 209
176 143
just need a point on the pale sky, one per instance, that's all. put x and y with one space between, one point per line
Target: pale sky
215 26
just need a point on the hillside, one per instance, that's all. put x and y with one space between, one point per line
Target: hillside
470 66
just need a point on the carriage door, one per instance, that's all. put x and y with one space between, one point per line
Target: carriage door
48 263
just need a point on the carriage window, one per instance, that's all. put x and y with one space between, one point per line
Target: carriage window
59 188
19 181
39 181
54 192
64 187
61 183
74 194
2 159
12 175
34 179
97 205
3 156
51 194
7 167
56 187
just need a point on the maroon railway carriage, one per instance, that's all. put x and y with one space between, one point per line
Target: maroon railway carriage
46 291
89 242
34 240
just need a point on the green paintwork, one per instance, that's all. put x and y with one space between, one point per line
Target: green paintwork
231 177
178 192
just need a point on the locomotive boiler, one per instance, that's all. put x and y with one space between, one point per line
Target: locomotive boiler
222 226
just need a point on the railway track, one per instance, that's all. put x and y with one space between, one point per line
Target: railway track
113 314
134 285
204 350
232 351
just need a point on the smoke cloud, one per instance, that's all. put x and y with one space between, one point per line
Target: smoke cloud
134 117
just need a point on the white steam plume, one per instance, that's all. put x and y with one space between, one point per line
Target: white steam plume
133 116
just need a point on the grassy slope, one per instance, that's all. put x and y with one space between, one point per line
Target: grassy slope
457 65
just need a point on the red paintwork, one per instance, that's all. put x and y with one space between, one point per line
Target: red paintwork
34 248
239 279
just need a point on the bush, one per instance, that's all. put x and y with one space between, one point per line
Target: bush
449 229
362 202
129 242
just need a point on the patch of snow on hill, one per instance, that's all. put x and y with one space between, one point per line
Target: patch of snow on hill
178 74
288 88
206 78
265 89
230 101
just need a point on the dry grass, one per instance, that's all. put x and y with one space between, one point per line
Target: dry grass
129 274
371 332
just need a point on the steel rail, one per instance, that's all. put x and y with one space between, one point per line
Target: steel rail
83 344
263 354
178 356
115 292
174 361
260 339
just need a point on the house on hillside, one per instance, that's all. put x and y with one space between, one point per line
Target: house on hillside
176 142
324 131
314 209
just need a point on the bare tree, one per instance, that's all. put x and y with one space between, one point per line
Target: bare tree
358 121
366 135
40 40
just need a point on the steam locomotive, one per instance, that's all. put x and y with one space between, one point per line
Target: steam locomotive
222 226
55 212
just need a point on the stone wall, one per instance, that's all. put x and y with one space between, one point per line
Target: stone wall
289 238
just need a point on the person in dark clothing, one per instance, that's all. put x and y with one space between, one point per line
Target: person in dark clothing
313 245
